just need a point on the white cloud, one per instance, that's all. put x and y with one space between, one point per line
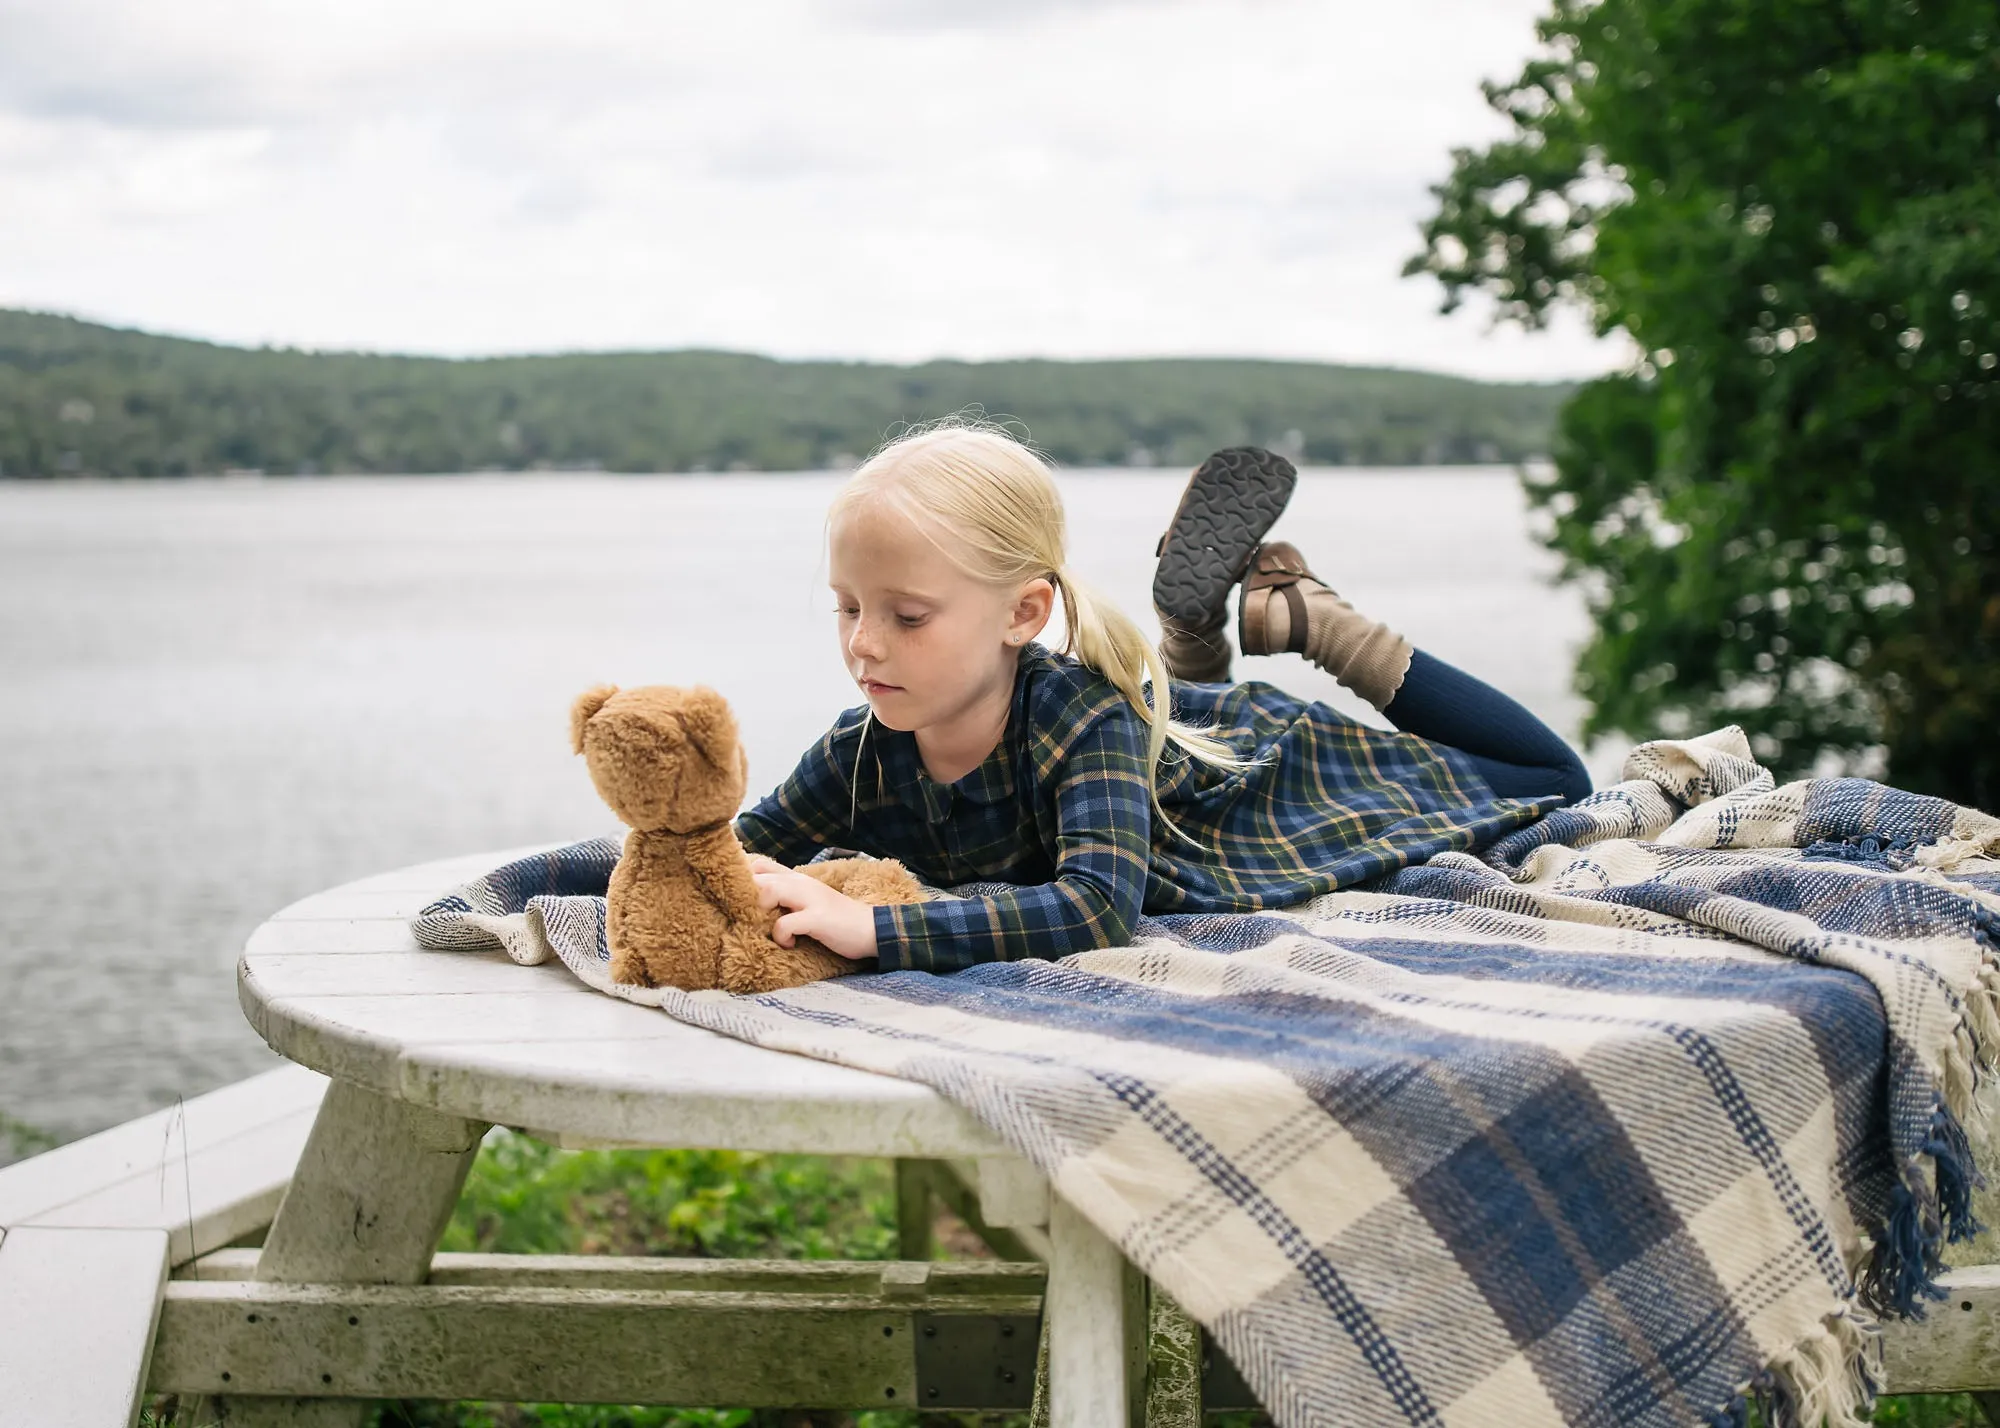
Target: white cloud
889 179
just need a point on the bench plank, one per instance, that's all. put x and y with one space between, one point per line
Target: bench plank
77 1313
1956 1346
207 1172
947 1278
550 1343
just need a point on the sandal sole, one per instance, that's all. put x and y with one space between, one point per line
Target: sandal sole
1231 500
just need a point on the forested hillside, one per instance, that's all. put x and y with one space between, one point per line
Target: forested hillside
81 399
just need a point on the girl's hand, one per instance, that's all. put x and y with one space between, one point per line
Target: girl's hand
840 924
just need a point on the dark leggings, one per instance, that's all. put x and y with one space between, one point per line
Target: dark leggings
1516 753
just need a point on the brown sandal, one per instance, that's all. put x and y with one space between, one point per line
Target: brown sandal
1265 625
1229 502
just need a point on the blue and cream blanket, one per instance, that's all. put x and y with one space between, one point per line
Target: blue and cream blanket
1649 1111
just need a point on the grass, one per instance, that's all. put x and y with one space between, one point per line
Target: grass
523 1197
526 1198
1930 1410
19 1140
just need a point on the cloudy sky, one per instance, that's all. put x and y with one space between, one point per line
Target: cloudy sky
888 179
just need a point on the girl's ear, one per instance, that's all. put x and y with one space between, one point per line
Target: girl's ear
1032 608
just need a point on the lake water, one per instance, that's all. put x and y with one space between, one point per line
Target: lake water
218 696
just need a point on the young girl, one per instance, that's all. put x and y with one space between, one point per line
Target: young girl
982 756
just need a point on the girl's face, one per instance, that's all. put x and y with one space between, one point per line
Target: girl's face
926 642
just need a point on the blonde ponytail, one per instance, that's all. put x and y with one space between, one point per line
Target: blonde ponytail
997 502
1105 638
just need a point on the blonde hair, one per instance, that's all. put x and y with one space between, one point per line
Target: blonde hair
994 501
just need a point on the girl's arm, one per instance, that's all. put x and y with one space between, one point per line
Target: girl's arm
1104 822
809 810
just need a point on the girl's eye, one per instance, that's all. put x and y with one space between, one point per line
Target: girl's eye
910 622
847 610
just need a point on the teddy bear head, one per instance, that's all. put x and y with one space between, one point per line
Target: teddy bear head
666 759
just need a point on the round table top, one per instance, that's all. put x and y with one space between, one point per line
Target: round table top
336 982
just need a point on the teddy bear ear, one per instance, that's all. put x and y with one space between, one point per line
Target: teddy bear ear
711 727
587 704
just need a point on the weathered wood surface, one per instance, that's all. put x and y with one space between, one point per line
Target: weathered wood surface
207 1172
952 1279
370 1199
1013 1194
913 1207
578 1328
336 983
77 1313
1097 1328
1956 1347
372 1194
955 1185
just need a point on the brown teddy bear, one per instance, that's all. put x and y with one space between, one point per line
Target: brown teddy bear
682 909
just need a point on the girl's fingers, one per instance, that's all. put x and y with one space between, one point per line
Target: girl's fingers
788 928
784 886
761 864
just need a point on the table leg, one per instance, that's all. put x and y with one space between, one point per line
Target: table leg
1096 1327
373 1192
913 1208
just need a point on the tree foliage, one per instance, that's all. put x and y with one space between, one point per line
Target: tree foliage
76 399
1786 513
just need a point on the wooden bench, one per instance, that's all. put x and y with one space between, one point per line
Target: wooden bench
77 1313
89 1231
207 1172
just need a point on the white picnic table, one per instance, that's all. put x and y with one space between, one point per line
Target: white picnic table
149 1231
427 1050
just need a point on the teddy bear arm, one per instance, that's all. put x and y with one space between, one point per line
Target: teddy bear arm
870 880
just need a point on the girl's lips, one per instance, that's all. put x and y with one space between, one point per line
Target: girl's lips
876 686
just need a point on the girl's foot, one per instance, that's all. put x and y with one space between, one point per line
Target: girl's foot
1287 609
1230 501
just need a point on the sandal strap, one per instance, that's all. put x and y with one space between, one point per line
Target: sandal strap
1295 598
1276 564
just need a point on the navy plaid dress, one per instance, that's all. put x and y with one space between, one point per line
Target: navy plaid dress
1060 811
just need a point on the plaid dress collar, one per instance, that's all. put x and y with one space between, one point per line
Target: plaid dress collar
992 782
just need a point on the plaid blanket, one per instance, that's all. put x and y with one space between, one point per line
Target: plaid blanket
1642 1115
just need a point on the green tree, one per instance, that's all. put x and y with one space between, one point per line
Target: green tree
1786 513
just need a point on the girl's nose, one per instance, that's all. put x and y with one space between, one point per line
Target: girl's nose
865 642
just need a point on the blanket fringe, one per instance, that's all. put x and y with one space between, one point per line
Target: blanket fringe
1975 1047
1931 1206
1958 1175
1830 1377
1926 1213
1953 852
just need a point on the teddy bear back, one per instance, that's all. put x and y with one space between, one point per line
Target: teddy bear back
665 758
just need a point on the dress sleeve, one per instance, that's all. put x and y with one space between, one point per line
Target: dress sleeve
1104 820
809 811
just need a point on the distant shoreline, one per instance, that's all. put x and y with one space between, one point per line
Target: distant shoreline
81 399
281 478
